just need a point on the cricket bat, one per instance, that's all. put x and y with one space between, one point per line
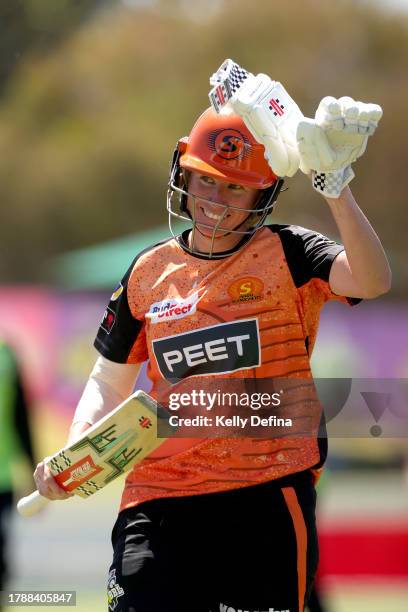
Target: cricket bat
106 450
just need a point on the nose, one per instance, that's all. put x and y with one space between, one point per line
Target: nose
218 195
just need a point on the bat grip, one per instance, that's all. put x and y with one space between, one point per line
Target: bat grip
27 506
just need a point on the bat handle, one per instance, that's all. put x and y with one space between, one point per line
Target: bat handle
27 506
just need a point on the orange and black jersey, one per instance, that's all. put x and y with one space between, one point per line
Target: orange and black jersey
253 314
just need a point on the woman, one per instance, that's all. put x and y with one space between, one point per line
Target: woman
219 523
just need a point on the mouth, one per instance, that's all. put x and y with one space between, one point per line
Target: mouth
213 216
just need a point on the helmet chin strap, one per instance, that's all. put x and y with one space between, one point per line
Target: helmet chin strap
250 214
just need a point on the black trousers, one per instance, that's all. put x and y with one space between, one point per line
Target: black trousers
252 549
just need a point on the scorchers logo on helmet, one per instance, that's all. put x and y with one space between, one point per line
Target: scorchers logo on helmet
218 349
229 143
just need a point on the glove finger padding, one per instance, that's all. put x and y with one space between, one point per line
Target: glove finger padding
364 119
375 113
256 119
346 125
336 138
350 113
272 117
329 115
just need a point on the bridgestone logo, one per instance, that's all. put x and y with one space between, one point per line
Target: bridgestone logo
218 349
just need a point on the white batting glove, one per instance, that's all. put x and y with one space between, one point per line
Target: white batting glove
267 110
336 138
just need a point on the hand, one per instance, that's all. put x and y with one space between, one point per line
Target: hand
46 484
336 138
267 110
76 430
44 480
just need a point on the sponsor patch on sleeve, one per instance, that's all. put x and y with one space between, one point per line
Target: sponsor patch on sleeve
118 291
108 320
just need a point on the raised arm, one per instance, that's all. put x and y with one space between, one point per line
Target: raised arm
362 269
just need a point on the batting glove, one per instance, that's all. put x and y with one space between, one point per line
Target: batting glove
267 110
336 138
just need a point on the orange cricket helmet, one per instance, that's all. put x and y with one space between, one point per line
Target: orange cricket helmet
221 146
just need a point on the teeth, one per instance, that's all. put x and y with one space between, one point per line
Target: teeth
212 215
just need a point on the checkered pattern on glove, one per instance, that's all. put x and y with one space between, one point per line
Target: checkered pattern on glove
226 81
331 184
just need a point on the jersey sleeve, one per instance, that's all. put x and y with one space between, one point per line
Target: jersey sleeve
121 337
310 256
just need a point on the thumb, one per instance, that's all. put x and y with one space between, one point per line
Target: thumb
277 156
324 151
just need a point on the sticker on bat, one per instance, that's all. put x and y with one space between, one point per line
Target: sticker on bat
78 473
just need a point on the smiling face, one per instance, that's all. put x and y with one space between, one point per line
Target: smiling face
218 208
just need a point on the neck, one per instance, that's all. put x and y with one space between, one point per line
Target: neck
226 244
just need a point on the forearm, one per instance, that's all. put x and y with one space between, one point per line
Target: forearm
108 385
366 257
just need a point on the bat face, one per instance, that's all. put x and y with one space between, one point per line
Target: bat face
112 446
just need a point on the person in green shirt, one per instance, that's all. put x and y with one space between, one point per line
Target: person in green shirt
15 440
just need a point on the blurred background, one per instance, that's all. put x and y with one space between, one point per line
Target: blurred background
93 97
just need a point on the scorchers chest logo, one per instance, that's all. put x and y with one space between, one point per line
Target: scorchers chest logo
218 349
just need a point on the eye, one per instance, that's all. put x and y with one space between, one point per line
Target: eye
207 180
234 187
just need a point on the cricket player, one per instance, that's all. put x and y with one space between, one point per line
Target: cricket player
225 524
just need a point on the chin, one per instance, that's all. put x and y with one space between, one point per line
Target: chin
203 228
